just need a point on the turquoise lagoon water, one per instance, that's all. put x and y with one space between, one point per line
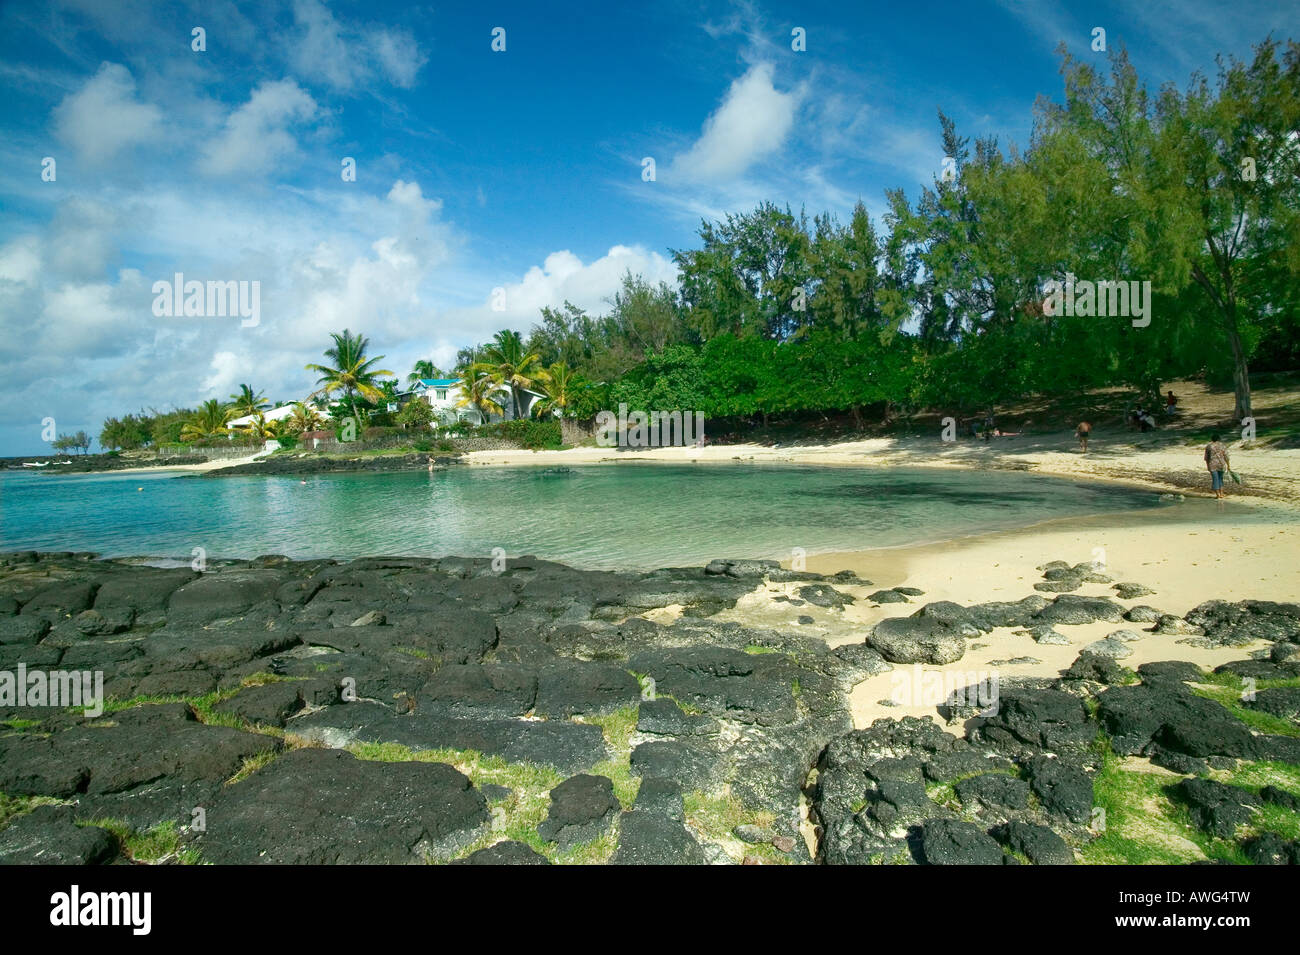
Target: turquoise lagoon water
636 516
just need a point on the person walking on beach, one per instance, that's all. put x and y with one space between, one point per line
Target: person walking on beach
1082 433
1216 462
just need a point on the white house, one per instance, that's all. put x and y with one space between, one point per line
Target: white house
274 414
447 398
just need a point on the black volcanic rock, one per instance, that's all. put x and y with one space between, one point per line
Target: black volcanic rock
315 806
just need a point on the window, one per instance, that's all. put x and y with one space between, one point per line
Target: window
442 394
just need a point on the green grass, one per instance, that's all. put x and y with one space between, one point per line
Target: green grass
204 706
716 816
618 728
1143 825
756 648
1226 690
251 765
1253 777
11 807
160 843
516 817
17 724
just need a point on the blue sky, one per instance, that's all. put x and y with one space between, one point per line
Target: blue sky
476 170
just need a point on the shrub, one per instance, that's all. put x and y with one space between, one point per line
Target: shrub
288 441
531 434
416 413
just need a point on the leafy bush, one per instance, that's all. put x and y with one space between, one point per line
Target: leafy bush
288 441
415 414
534 435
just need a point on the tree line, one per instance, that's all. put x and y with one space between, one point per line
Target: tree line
1195 190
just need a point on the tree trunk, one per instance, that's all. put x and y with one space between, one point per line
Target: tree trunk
1227 306
1240 373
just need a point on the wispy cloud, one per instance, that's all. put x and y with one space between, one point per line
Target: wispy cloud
348 57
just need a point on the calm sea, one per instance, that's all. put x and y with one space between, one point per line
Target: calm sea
635 516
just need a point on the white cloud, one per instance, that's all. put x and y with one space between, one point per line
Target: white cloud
256 135
752 122
20 260
104 116
82 239
398 56
561 277
346 58
228 372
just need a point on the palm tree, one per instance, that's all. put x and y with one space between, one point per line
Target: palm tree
351 371
259 429
507 362
562 386
423 369
304 418
477 394
245 402
208 422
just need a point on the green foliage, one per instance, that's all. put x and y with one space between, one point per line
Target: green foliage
536 435
416 414
352 375
79 442
129 432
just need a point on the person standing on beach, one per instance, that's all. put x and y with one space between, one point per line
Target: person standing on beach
1216 462
1082 433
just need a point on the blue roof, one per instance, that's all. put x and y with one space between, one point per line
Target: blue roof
439 382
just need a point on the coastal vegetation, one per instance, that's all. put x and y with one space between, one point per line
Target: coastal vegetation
938 308
941 304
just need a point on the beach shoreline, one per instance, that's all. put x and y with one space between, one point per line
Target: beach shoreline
1164 465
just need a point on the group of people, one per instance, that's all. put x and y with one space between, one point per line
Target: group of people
1144 420
1216 452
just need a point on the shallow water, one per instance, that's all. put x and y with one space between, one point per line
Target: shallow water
635 516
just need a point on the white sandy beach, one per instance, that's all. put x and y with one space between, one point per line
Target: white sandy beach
1184 563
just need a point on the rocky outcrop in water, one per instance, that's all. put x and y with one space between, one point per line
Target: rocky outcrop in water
293 464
